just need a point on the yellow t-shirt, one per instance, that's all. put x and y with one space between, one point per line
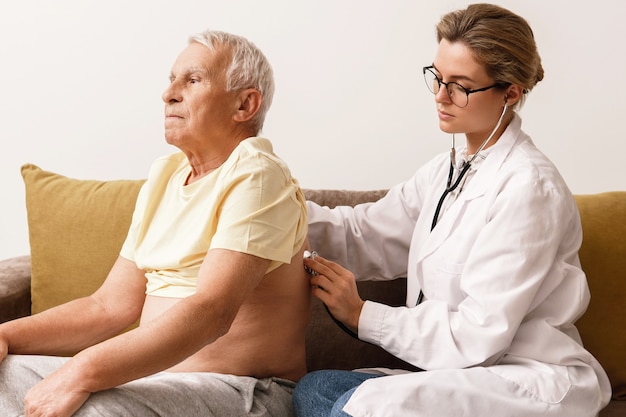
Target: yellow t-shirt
250 204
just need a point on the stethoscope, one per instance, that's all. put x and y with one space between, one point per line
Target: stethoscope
451 186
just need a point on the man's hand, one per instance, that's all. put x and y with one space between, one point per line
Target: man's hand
56 396
336 287
4 348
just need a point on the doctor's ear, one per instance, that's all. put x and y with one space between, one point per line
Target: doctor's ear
513 94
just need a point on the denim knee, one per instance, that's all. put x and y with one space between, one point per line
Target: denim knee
309 398
337 410
316 393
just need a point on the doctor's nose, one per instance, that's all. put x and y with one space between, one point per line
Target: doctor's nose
442 96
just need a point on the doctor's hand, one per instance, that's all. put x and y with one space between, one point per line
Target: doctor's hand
336 287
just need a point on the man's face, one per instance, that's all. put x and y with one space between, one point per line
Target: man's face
198 110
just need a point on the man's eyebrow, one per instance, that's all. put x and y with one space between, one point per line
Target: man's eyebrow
190 71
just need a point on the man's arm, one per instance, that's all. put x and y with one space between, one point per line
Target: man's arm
225 280
83 322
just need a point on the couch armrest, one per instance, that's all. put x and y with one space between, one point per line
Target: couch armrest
14 288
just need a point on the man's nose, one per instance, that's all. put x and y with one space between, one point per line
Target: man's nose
171 93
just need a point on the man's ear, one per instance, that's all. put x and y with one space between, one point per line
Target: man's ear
249 102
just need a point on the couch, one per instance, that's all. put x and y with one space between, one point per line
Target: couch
76 228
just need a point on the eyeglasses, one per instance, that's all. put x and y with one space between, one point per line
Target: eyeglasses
458 94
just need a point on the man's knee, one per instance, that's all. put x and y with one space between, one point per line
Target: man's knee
24 369
18 374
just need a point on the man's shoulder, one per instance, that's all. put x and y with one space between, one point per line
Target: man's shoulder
255 147
257 154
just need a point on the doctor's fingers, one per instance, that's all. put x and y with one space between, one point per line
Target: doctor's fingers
322 282
331 269
341 286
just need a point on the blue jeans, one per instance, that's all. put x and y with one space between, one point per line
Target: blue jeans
325 393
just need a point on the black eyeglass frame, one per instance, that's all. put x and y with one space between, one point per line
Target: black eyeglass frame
430 69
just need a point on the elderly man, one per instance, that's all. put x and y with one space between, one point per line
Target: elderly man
212 266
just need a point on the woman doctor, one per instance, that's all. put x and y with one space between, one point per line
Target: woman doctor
488 238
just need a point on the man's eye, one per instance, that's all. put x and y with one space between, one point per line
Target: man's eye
194 80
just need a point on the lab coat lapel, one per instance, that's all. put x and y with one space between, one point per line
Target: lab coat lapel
475 189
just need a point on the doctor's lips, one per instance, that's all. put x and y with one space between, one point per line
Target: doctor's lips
443 115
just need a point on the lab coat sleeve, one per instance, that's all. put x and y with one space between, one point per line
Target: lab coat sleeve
372 239
515 248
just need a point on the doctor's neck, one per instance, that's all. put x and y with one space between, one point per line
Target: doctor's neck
477 142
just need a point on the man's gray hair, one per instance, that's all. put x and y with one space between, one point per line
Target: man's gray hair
248 68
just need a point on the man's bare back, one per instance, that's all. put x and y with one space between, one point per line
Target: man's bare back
266 338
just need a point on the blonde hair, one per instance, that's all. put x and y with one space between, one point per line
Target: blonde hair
499 39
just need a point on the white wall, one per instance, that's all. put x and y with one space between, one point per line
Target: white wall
81 83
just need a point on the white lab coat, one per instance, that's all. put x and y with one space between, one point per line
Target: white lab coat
502 283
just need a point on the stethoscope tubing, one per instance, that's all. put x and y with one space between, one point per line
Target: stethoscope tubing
464 169
450 187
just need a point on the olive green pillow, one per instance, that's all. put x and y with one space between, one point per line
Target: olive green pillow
76 229
603 257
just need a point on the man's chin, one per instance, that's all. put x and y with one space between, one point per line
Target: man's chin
171 137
